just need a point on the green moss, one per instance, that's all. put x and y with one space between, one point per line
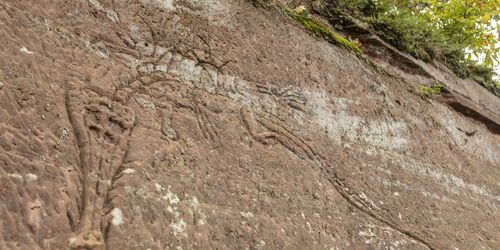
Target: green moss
318 28
431 90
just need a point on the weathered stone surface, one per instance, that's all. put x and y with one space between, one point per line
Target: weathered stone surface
214 124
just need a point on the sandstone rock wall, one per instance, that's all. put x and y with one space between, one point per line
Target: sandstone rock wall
164 124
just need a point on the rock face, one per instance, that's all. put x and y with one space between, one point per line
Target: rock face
159 124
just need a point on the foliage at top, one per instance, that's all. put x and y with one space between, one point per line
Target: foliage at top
448 30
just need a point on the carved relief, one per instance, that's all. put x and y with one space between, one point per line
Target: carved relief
101 129
287 95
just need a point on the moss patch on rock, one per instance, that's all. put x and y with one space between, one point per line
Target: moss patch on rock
431 90
320 29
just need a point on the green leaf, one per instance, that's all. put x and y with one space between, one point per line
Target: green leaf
486 18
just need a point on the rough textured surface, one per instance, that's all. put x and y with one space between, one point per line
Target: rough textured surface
159 124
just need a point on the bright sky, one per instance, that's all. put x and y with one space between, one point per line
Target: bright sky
497 65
